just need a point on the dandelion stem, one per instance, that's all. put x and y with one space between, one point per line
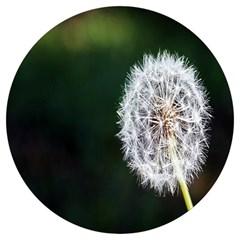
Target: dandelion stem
186 195
179 175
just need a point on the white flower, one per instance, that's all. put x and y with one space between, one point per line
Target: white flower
164 112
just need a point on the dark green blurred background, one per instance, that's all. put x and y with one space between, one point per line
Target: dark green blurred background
61 118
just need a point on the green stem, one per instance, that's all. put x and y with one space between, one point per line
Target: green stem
186 195
179 174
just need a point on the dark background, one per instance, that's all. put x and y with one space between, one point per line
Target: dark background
61 118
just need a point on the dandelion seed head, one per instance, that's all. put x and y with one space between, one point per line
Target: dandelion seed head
163 99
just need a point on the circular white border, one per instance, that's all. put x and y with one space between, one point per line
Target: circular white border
24 22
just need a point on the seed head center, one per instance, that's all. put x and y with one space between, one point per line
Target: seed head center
167 114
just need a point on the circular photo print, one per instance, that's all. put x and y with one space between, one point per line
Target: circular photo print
119 120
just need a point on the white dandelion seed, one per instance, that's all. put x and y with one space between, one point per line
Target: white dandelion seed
164 116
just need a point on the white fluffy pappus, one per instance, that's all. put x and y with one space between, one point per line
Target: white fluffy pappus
164 104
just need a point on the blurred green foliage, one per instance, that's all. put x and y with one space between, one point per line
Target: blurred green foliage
61 118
